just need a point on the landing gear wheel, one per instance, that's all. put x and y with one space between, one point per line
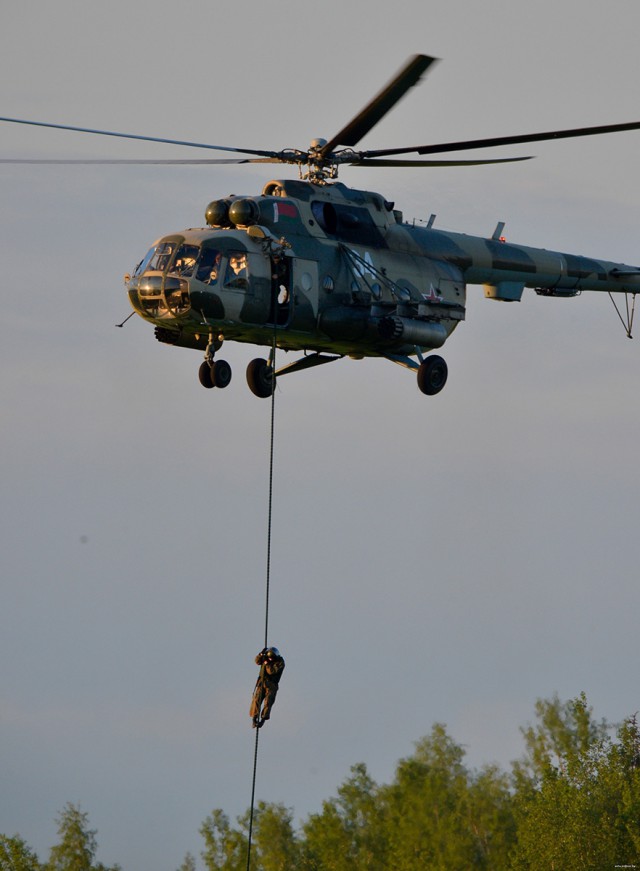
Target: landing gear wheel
432 375
220 373
204 374
259 378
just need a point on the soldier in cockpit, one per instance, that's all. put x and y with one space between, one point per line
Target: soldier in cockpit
184 265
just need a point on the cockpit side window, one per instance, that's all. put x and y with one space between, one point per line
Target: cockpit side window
237 273
208 266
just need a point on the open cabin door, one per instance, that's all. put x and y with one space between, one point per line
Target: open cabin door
281 291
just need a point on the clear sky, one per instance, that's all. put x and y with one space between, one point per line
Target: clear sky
449 559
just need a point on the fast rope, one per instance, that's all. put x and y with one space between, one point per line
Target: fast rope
272 359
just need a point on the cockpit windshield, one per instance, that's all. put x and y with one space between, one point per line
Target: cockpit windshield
141 267
161 257
184 260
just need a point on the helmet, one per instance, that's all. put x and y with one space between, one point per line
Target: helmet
273 652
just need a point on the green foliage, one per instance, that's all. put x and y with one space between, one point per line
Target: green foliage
441 815
274 844
273 841
189 863
571 802
581 806
348 833
436 814
77 847
15 855
225 848
564 730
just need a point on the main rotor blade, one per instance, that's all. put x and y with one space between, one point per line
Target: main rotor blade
383 162
138 162
494 142
378 107
135 136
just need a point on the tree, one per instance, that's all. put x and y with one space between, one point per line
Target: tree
15 855
580 808
490 818
189 863
225 848
440 815
572 802
348 834
436 814
274 843
78 845
564 730
274 846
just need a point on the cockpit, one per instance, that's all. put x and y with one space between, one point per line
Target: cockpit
172 258
160 284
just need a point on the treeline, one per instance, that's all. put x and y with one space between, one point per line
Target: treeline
571 802
75 851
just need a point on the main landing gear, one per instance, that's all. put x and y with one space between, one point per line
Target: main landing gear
432 375
260 378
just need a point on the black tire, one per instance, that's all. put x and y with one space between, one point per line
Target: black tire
221 374
259 378
432 375
204 374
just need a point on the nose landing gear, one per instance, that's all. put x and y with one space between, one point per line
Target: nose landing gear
217 374
214 373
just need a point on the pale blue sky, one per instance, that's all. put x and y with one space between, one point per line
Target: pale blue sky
442 560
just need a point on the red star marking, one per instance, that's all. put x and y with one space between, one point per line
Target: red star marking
432 296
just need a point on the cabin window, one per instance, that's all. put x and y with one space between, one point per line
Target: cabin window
349 223
237 273
208 266
325 215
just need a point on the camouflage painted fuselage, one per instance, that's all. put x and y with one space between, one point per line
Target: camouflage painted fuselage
332 269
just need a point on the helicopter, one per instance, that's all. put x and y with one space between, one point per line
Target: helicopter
329 271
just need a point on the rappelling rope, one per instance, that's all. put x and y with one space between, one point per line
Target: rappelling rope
270 513
253 793
268 584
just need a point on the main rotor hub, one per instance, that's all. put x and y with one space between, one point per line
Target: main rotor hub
317 145
320 168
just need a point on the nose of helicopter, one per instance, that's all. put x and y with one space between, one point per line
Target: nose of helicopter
159 296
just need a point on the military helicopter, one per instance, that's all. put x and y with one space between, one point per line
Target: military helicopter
313 266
